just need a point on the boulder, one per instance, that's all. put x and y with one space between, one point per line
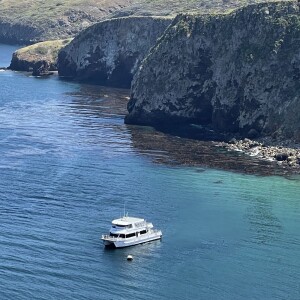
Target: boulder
41 68
281 156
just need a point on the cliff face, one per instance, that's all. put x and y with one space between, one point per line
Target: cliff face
18 33
238 72
41 56
109 52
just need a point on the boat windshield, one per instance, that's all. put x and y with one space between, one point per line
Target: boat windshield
122 226
113 234
117 235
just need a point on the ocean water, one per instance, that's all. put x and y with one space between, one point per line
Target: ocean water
67 166
6 52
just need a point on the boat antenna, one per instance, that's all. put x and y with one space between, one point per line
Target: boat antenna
125 214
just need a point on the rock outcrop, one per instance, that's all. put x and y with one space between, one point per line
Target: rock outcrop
40 58
109 52
236 72
19 34
263 150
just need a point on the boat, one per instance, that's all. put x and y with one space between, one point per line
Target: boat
130 231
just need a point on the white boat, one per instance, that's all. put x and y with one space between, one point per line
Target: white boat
129 231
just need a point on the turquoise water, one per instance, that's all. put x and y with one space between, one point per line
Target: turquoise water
67 166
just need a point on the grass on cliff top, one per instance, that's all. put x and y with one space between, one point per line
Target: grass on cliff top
47 50
55 19
173 7
36 11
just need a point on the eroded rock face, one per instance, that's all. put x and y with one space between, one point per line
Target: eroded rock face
18 34
39 58
237 72
109 52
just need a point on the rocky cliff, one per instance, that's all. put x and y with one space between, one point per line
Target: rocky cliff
109 52
38 58
237 72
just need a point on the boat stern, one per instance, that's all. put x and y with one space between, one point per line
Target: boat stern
108 242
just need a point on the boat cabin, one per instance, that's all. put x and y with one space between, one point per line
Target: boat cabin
128 227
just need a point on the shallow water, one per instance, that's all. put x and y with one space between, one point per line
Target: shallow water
67 166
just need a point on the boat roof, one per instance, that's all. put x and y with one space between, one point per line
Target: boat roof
124 221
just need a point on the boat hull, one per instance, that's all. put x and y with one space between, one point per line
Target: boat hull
122 243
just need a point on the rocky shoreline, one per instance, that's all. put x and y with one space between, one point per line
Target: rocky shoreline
285 154
39 58
262 156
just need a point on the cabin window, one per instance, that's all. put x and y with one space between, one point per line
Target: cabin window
122 236
143 232
130 235
122 226
113 234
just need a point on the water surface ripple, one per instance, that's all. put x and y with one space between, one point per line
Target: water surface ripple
67 165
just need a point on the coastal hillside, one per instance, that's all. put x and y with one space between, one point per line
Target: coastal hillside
38 58
29 21
237 72
174 7
110 52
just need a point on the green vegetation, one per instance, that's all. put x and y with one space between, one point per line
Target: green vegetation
29 21
38 20
173 7
47 51
40 10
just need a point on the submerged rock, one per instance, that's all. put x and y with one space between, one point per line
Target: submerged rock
236 72
110 52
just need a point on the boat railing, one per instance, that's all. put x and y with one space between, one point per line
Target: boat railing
156 231
111 238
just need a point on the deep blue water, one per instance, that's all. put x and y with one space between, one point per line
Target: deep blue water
6 54
67 166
